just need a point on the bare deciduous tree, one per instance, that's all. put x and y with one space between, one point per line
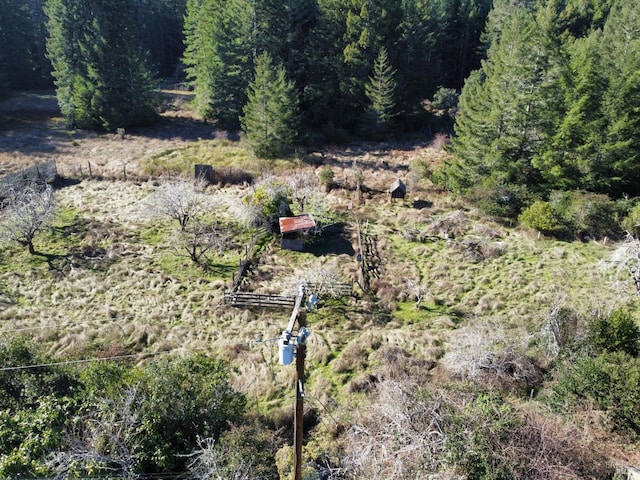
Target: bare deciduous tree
211 462
104 439
25 212
302 186
180 200
198 241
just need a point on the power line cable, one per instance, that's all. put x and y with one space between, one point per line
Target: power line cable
125 356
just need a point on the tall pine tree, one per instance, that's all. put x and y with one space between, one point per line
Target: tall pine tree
509 106
371 25
621 44
101 72
573 153
380 89
271 118
20 64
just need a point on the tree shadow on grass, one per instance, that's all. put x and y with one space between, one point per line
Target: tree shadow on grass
333 241
57 263
222 271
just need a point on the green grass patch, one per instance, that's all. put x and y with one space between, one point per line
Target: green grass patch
408 313
219 153
223 155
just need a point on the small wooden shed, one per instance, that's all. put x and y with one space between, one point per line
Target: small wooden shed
397 190
293 230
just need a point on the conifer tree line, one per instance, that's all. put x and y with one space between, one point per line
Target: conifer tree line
25 64
549 88
327 48
555 105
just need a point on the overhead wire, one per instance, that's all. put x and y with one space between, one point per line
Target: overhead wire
126 356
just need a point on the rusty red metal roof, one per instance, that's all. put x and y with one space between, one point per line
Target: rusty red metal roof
296 224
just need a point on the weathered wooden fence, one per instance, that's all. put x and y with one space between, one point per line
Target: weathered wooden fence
244 261
368 256
258 300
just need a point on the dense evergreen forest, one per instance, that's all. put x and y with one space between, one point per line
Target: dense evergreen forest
328 49
549 88
538 103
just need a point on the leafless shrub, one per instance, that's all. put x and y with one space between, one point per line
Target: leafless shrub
394 363
181 200
105 438
409 432
510 370
469 346
325 276
417 290
624 265
560 329
399 437
450 225
26 211
547 448
482 352
211 463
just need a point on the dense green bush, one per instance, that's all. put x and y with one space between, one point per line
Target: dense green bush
631 222
108 416
245 451
619 332
445 98
611 378
184 399
586 215
490 439
24 388
540 216
269 201
500 200
325 177
610 381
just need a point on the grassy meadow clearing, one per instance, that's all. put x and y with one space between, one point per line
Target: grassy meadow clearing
447 285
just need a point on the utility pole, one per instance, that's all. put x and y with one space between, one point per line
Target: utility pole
298 418
287 350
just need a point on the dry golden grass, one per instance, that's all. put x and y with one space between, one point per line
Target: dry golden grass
485 286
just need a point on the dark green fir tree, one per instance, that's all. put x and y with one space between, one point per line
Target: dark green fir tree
380 90
102 75
218 56
271 118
